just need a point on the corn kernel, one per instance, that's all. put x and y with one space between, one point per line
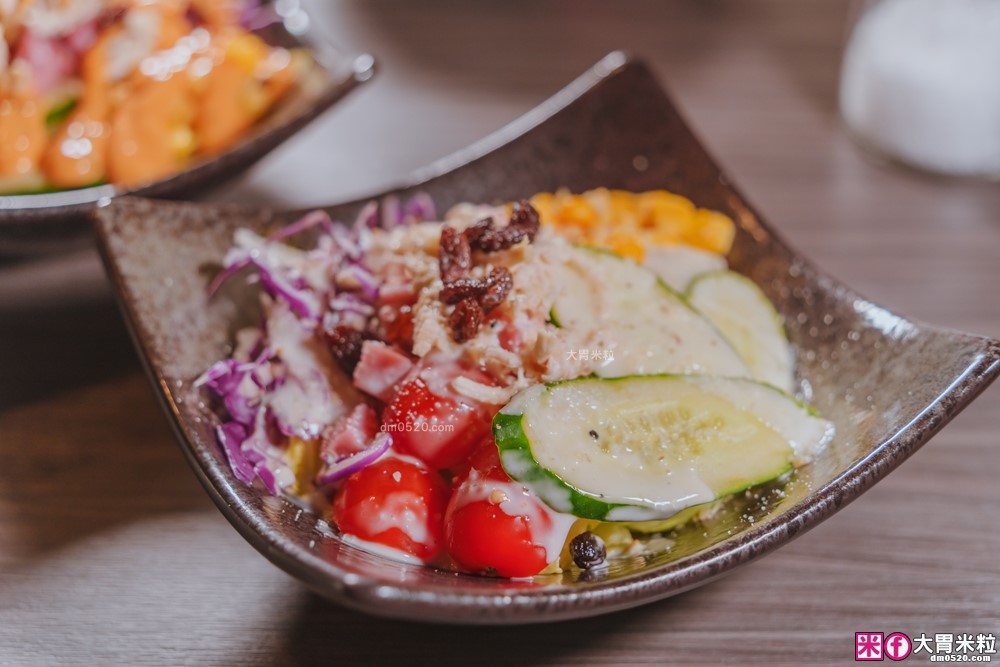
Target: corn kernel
544 203
628 223
579 213
626 245
713 231
303 460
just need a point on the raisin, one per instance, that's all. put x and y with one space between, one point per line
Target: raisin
476 230
345 346
462 288
494 240
524 217
587 550
498 286
455 256
465 319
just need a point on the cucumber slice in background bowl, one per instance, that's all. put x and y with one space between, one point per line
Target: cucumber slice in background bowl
644 448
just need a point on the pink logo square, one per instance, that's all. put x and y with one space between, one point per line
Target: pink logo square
868 646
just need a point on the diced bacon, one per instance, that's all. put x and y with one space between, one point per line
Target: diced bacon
350 434
380 369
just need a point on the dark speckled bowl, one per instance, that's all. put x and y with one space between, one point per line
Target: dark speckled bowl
888 383
31 224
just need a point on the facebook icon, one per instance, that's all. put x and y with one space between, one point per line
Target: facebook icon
897 646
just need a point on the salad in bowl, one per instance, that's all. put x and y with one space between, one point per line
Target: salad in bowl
512 389
129 92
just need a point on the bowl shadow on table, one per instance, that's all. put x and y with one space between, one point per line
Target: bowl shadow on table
323 630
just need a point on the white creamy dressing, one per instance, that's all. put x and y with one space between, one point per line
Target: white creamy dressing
381 550
315 391
397 511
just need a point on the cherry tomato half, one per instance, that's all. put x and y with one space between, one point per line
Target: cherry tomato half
494 524
396 502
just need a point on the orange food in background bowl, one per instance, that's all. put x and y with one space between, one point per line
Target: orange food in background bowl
128 92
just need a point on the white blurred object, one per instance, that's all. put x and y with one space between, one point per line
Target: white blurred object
921 83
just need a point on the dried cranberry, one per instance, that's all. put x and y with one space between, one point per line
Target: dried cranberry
462 288
345 346
495 240
524 217
455 256
498 286
465 319
476 230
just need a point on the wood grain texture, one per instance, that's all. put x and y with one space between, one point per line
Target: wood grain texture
110 553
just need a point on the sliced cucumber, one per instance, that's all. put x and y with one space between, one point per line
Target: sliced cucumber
644 448
745 316
677 265
648 327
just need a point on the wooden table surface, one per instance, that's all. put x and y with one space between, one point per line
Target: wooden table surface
111 554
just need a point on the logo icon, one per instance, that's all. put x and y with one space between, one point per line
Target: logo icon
868 646
897 646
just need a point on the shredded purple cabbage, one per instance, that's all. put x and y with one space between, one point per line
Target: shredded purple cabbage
346 466
253 432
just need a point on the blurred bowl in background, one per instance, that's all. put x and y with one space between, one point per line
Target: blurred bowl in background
33 224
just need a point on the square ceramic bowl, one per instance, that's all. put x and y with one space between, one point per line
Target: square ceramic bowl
888 383
31 224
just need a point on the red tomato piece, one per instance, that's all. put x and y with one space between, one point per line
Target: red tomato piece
427 420
494 524
396 502
482 537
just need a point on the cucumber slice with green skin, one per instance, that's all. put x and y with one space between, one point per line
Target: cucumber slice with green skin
678 265
649 327
644 448
745 316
